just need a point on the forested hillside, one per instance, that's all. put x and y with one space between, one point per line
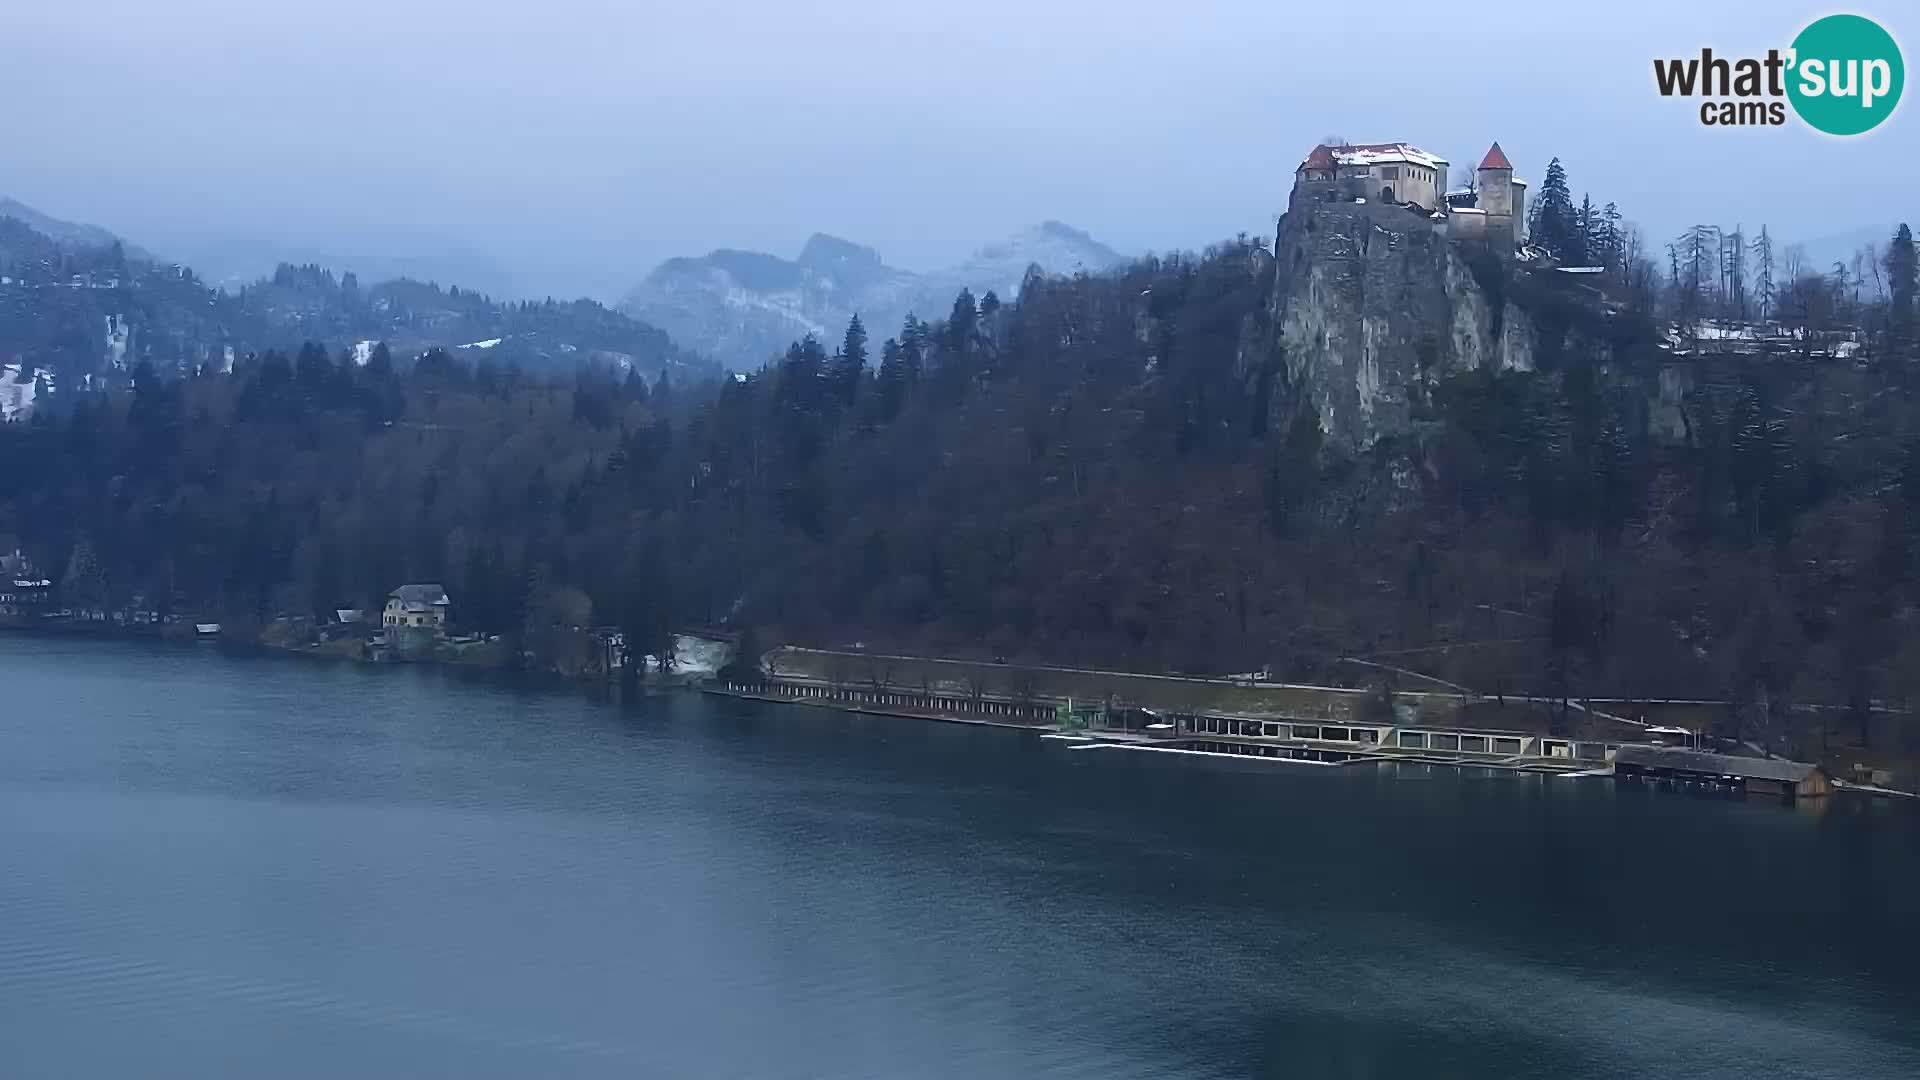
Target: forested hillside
1114 469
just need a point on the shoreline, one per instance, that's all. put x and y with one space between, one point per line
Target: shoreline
593 682
1288 751
1206 733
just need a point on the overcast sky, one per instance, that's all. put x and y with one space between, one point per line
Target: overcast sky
582 142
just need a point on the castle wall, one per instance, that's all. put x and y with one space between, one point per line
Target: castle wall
1496 191
1406 185
1464 224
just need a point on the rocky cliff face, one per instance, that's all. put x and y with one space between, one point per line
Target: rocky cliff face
1371 302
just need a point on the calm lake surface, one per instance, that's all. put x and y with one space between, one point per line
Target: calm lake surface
220 867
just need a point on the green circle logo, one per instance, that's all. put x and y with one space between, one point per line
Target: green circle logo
1846 75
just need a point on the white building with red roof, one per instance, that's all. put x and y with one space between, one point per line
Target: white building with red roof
1394 172
1494 208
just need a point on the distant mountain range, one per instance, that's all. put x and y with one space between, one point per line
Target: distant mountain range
233 259
77 304
738 308
743 307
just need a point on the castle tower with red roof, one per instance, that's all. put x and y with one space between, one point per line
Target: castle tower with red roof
1501 197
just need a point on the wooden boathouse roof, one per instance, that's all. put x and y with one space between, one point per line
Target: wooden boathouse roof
1698 761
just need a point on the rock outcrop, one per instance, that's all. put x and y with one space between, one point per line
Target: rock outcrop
1370 302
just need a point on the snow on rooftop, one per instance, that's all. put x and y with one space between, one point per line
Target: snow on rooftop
699 656
487 344
1709 330
1387 154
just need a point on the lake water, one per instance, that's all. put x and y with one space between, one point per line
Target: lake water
219 867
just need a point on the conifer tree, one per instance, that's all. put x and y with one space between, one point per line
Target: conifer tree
1554 225
892 378
1611 238
962 323
850 363
1903 316
913 348
1583 250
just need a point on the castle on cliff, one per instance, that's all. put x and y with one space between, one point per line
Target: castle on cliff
1492 208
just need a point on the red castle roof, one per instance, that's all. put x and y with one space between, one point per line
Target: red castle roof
1495 159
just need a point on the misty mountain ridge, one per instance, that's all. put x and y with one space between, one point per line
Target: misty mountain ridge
77 311
70 234
743 307
233 259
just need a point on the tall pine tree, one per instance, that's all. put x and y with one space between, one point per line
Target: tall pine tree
892 379
962 323
1584 249
850 363
1554 226
1903 278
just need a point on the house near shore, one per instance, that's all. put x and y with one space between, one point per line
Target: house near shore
24 595
23 589
417 607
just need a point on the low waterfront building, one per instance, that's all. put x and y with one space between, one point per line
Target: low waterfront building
24 596
1756 776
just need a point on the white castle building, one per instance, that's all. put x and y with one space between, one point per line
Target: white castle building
1493 208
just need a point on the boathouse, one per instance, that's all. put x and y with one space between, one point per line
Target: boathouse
1756 776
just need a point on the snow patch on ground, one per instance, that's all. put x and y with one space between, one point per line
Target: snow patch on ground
16 397
487 344
698 655
119 336
362 353
787 303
